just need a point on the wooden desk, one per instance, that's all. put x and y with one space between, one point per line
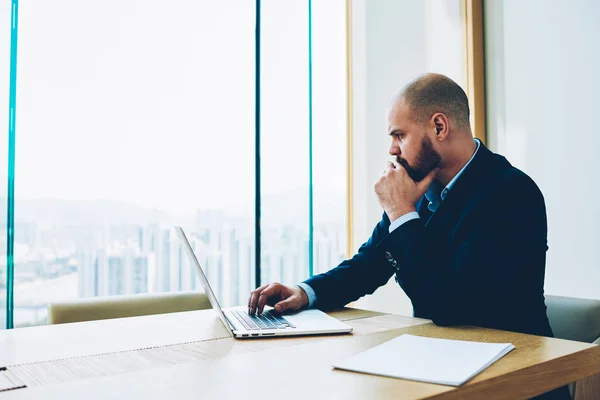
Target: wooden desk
287 367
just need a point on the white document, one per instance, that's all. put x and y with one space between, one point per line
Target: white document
8 381
417 358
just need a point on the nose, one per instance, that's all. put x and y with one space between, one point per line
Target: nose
394 149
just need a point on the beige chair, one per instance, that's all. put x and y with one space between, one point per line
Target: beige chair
96 308
577 319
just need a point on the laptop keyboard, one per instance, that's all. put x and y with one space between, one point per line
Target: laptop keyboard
266 320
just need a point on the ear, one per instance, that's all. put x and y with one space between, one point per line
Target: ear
442 126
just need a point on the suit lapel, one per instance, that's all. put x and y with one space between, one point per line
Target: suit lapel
423 209
469 183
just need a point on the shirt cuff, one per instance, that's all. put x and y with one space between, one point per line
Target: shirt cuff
403 219
310 293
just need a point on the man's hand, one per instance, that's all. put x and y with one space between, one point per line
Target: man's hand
397 193
281 297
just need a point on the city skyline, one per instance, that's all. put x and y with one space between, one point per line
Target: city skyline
130 258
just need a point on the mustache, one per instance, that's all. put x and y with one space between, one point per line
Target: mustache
403 162
414 174
417 174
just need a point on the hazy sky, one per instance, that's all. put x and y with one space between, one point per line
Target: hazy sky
136 101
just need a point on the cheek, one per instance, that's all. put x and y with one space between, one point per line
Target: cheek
407 152
412 149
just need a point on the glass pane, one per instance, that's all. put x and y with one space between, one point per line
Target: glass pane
5 29
329 133
284 141
141 120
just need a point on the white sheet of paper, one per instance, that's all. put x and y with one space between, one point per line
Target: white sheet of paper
93 366
7 381
441 361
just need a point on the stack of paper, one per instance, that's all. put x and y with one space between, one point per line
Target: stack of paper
442 361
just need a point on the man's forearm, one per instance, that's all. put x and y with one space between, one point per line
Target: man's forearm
354 278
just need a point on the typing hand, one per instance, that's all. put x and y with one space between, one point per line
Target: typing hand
281 297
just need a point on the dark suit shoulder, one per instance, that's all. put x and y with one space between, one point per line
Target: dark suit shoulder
508 182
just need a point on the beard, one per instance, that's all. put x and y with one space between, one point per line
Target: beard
427 160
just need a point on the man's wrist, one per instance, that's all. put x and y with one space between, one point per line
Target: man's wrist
307 291
397 213
303 295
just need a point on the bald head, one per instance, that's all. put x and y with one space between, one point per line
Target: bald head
432 93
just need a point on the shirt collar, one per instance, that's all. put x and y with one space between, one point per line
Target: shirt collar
436 195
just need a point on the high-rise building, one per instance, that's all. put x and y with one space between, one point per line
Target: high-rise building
116 275
176 259
140 274
246 266
86 274
234 269
161 249
101 277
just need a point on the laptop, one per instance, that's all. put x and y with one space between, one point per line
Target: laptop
269 324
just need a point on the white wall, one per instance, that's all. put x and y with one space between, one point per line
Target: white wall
392 41
543 86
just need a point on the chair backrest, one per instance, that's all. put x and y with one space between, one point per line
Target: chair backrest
574 319
96 308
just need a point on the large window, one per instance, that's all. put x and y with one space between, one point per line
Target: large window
329 133
131 122
303 93
5 40
284 144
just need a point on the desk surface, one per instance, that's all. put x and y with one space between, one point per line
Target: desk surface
286 367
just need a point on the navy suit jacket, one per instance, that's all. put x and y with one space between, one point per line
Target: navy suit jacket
478 260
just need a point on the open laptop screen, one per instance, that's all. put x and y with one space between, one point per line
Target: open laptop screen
207 289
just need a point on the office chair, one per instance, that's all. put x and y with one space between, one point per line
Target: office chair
577 319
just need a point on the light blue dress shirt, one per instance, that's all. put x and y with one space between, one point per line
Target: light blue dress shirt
435 196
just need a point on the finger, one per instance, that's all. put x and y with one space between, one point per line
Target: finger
257 291
254 298
272 291
401 169
389 166
400 174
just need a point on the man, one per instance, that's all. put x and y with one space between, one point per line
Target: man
463 230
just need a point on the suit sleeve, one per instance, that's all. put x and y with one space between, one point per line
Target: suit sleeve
354 278
496 262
